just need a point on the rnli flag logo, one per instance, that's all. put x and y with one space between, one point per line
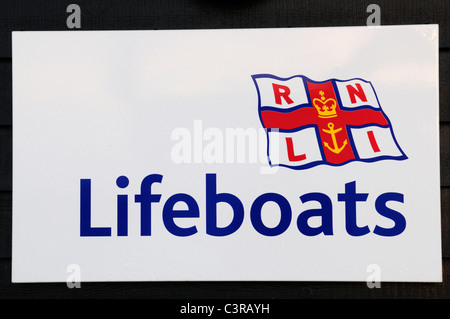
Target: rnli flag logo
333 122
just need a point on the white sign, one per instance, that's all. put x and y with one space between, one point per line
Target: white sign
264 154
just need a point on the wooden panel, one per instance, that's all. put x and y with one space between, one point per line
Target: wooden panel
5 91
5 224
5 158
444 85
182 14
228 290
445 153
445 221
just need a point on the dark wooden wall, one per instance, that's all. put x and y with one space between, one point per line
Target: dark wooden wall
206 14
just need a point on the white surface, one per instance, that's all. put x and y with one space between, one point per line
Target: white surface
103 104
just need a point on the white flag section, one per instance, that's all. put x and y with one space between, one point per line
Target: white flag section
355 93
282 94
294 148
374 141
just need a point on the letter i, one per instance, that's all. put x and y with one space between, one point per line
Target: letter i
122 208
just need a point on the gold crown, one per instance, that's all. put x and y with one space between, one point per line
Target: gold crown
325 108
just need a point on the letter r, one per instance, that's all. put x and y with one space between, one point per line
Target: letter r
281 91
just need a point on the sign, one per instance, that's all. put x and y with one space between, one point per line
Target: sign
300 154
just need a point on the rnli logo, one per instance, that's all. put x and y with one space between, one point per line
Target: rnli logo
333 122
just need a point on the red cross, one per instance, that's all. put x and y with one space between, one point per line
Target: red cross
310 115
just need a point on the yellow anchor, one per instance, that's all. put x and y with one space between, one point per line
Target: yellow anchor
333 133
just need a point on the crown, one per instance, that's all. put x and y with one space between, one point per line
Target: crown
325 107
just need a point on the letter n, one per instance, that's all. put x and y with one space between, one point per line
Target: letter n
358 91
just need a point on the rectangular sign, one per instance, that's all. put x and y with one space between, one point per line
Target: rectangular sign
300 154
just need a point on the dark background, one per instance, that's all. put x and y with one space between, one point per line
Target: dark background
18 15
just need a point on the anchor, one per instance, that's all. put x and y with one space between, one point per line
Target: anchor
333 133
